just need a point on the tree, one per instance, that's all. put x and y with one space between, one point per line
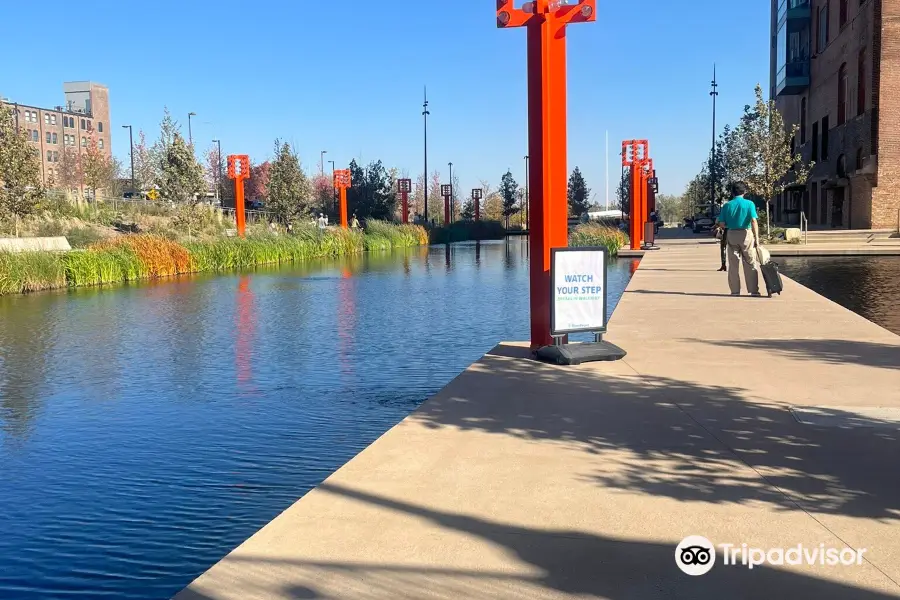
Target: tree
99 169
468 210
168 129
182 175
70 175
146 166
579 194
288 189
492 204
257 187
371 195
763 156
671 209
509 193
623 192
435 200
214 170
20 171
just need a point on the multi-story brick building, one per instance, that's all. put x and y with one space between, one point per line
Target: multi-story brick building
70 128
835 72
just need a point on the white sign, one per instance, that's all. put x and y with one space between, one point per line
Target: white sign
578 294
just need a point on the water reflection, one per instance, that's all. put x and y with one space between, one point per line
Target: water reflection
867 285
147 430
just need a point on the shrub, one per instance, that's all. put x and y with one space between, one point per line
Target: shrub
82 237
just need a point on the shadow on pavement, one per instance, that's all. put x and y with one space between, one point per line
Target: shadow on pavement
872 354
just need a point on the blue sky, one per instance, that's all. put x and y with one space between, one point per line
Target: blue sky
347 77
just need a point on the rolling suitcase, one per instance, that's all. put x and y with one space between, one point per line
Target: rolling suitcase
772 277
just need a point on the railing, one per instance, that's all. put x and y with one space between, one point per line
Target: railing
804 227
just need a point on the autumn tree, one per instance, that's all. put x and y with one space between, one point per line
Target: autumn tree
509 193
100 170
323 194
69 174
579 194
492 204
257 187
289 190
435 200
146 167
182 176
214 170
168 129
20 171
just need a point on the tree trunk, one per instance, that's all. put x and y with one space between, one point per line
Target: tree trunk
16 224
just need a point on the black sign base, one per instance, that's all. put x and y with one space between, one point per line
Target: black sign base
575 354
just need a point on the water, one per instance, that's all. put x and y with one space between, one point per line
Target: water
145 431
867 285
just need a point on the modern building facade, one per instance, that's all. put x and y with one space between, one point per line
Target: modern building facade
69 128
835 72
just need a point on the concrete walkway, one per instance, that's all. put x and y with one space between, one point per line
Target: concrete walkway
527 481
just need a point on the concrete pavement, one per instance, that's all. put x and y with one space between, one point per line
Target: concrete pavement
525 480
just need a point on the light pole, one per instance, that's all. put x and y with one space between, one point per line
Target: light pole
712 159
190 133
218 166
333 189
322 161
527 185
425 114
131 153
451 191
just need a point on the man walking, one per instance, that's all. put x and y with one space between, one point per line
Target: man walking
740 220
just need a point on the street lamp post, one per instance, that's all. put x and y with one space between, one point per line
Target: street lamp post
333 189
425 114
218 167
131 153
451 192
190 133
712 160
322 161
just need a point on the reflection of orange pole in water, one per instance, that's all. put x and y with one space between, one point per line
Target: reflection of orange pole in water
633 267
346 321
245 325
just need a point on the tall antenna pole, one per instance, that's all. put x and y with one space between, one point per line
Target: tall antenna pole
712 156
425 114
607 170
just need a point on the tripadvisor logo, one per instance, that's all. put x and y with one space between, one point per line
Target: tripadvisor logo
696 555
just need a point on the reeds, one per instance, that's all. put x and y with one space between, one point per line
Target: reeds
595 234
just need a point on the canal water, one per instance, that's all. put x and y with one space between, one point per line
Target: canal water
867 285
147 430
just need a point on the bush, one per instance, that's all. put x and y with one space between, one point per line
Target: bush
82 237
593 234
462 231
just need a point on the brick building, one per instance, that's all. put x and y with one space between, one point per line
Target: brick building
51 131
835 71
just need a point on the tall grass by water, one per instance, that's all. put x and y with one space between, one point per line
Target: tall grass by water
134 257
596 234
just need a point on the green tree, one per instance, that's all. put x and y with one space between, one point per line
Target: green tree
468 210
146 166
168 129
182 175
20 171
371 195
623 192
289 189
579 194
509 194
100 170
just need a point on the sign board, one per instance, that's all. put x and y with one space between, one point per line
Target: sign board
577 290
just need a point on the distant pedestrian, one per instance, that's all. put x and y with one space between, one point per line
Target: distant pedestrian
739 217
354 224
322 222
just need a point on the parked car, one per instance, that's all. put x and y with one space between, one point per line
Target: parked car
702 223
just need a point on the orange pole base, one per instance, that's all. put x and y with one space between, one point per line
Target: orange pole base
239 214
344 223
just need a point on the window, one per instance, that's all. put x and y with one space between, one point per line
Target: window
100 126
825 137
46 119
55 139
861 83
842 95
815 141
49 156
89 128
82 124
83 142
55 156
100 144
822 20
34 136
53 119
48 137
802 121
843 12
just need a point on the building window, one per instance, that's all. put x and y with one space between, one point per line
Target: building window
859 160
815 141
83 142
823 26
49 156
100 144
861 83
34 136
89 128
48 137
802 121
55 139
82 124
55 156
100 126
842 95
46 119
53 119
825 137
843 12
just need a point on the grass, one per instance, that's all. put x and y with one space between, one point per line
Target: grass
134 257
462 231
595 234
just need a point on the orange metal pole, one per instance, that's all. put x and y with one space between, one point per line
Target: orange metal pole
344 223
635 207
239 214
477 209
446 210
405 203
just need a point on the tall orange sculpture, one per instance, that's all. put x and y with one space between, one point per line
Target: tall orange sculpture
446 192
343 180
239 171
477 195
405 187
636 156
546 22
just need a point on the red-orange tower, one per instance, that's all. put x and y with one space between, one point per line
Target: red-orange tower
239 171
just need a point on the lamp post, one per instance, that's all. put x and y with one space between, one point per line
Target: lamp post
190 133
131 153
333 189
218 167
451 192
546 23
425 113
322 161
712 160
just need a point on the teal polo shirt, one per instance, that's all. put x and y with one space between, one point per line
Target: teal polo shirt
738 214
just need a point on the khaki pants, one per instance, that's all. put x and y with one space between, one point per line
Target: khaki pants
740 250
